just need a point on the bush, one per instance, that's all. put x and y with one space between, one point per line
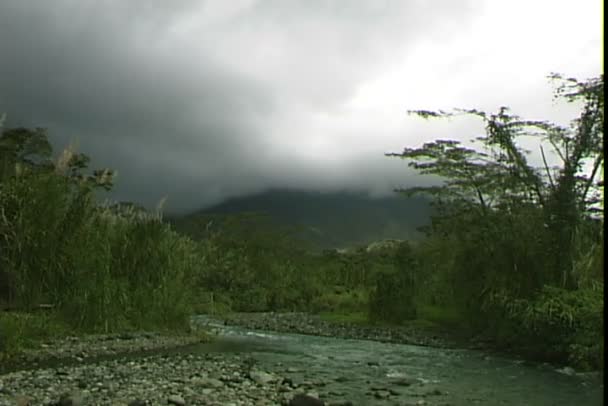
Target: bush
347 302
103 267
559 321
19 330
393 299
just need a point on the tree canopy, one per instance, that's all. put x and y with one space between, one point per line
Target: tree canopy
499 176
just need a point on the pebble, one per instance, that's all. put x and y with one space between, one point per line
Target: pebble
164 380
176 400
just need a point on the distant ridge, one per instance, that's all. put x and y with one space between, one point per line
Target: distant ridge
327 220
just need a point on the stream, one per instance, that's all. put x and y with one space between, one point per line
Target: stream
373 373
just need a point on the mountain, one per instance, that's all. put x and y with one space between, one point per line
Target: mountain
327 220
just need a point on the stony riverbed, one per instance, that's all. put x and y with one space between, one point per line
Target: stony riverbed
245 366
178 379
139 369
77 349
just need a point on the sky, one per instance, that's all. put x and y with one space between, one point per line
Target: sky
202 100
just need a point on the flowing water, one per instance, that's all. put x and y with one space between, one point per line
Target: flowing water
374 373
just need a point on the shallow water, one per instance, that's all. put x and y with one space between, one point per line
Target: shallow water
359 370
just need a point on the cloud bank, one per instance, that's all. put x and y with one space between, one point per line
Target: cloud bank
203 100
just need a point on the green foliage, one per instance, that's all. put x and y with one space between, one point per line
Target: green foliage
19 330
504 228
435 315
344 303
213 303
139 275
393 299
568 322
256 265
104 269
22 150
498 176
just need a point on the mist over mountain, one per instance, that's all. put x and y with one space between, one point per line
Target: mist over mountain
326 220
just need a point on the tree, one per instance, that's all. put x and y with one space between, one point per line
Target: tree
24 150
480 182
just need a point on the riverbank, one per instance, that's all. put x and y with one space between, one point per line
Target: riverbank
86 348
136 369
309 324
146 368
167 378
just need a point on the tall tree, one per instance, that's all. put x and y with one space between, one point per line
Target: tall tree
499 176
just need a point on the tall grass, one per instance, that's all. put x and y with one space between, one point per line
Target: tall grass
103 268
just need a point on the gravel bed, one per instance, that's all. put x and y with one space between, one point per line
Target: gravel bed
178 379
84 348
142 368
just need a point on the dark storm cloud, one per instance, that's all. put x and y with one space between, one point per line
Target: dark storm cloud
103 76
201 100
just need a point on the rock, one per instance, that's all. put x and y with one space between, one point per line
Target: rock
70 399
312 394
305 400
382 394
402 379
261 377
567 371
208 383
138 402
176 400
284 389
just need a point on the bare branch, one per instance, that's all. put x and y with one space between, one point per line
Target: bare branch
557 150
542 152
596 165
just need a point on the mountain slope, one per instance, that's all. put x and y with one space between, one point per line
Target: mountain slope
327 220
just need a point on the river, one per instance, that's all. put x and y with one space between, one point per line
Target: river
374 373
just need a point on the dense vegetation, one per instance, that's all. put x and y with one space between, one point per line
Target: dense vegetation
514 253
516 250
102 267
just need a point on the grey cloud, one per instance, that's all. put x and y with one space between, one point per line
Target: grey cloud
190 114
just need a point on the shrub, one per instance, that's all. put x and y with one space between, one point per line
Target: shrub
104 267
